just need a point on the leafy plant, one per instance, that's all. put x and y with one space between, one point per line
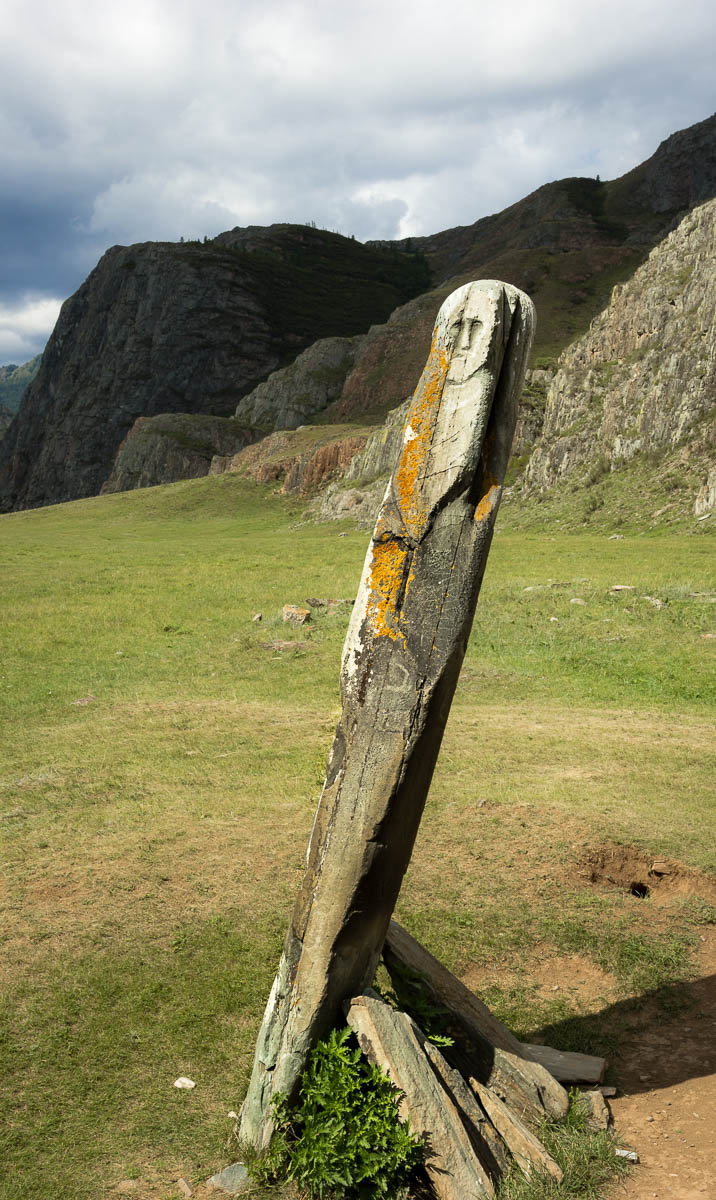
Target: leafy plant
343 1138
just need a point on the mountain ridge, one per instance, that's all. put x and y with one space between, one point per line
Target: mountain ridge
118 355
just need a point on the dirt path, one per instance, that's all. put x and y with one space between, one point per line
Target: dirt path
666 1107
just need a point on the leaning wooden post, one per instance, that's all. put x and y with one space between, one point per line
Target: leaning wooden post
401 660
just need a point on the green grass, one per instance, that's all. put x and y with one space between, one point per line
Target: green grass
162 761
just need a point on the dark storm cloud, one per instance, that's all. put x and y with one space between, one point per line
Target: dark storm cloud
156 121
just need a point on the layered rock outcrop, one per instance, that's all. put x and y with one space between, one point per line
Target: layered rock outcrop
644 375
173 446
301 460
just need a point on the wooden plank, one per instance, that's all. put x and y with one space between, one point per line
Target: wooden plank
528 1151
485 1047
388 1039
404 648
567 1066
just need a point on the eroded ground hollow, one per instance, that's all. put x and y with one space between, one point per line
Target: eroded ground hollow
645 875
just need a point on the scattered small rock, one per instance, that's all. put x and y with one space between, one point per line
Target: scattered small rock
257 617
629 1155
184 1082
622 587
597 1115
708 635
655 601
577 600
232 1179
555 620
185 1188
295 614
615 537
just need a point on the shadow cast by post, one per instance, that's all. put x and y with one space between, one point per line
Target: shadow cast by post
662 1038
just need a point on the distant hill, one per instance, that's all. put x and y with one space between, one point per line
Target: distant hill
14 380
191 328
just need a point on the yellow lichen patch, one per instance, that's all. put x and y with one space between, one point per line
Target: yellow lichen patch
417 438
385 583
489 499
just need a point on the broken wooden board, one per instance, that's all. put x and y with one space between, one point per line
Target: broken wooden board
388 1038
487 1049
568 1066
528 1151
402 656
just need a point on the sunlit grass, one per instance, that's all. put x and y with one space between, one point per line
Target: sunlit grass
161 761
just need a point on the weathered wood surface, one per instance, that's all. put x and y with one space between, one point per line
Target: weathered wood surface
527 1150
401 660
389 1039
567 1065
488 1049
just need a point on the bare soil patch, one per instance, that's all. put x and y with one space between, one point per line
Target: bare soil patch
645 875
666 1106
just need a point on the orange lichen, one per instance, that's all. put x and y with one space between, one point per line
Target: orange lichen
386 585
489 498
418 436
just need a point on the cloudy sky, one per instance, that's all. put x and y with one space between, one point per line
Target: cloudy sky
157 119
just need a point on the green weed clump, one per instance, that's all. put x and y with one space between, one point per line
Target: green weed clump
344 1137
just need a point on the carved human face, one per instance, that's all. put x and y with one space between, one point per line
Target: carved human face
471 325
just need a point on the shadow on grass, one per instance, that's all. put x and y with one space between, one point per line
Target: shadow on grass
657 1040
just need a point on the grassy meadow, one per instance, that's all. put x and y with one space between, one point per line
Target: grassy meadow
161 759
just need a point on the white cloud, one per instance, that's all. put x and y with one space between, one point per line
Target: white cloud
159 120
25 327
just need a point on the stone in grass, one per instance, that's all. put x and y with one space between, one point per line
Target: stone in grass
295 614
232 1179
597 1114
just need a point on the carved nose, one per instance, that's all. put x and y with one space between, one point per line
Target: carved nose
469 330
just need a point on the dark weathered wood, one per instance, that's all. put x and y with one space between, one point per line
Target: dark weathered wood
401 661
528 1151
486 1049
388 1038
568 1066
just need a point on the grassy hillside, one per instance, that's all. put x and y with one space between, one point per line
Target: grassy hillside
163 754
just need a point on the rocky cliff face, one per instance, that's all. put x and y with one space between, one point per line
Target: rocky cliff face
162 328
290 396
173 446
644 376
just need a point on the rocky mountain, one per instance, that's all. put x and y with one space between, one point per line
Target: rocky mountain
219 328
174 446
643 378
161 328
567 245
